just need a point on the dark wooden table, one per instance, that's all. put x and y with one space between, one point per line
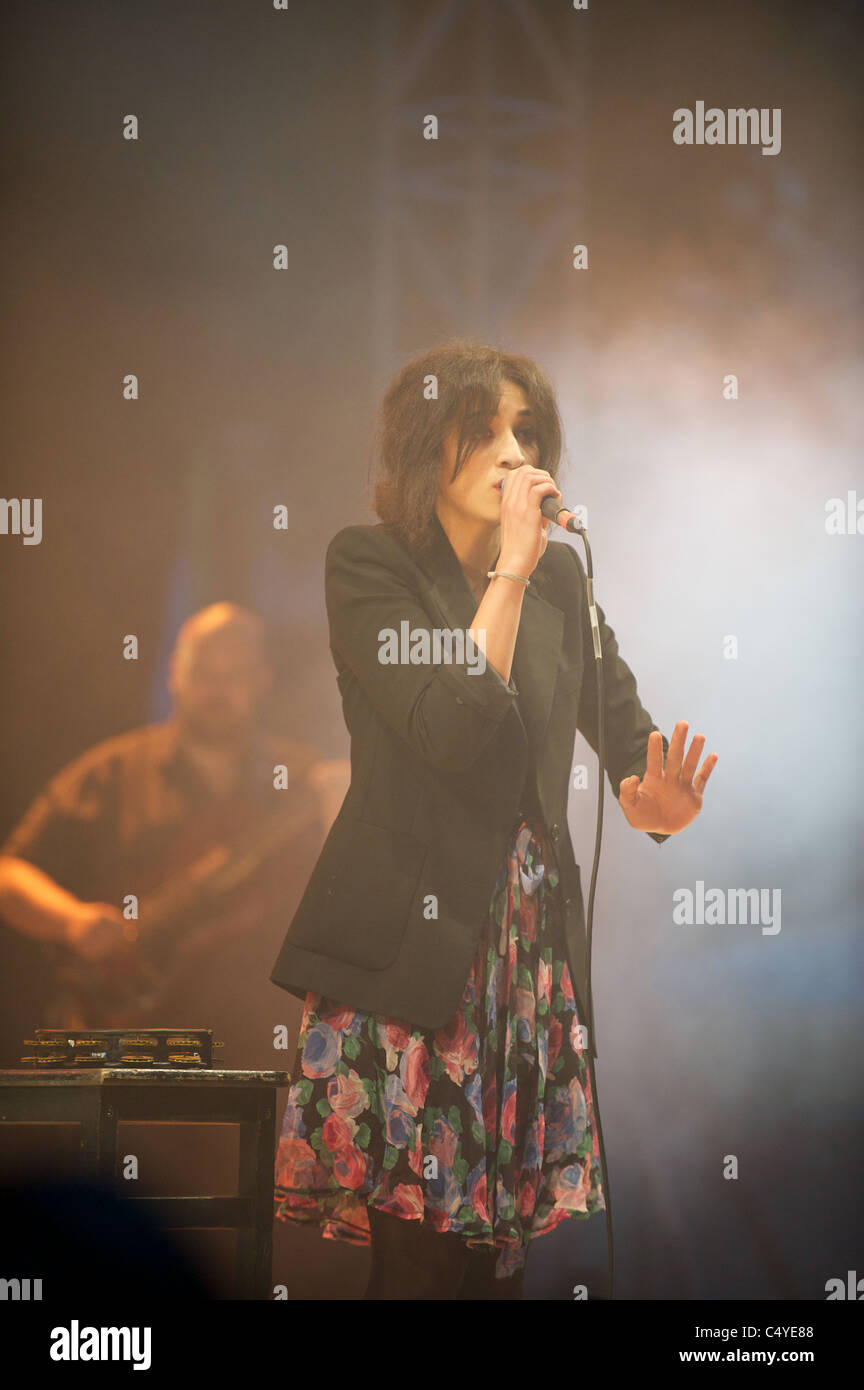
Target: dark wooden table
99 1099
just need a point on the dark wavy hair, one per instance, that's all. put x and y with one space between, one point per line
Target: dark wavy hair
412 428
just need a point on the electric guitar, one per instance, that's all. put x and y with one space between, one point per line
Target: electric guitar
190 912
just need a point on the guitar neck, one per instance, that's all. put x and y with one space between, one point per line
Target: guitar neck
220 870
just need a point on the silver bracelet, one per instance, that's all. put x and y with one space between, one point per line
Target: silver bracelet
505 574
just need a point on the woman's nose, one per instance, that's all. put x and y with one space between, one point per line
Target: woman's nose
514 459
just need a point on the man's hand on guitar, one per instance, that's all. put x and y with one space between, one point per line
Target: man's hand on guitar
97 932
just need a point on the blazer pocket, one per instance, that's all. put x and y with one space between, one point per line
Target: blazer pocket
358 901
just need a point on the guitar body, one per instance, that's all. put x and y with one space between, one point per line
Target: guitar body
210 890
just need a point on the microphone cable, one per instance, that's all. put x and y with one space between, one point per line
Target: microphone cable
601 789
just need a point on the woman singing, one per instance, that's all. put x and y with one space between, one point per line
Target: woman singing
442 1099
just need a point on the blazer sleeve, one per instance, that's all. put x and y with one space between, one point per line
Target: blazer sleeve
627 723
447 712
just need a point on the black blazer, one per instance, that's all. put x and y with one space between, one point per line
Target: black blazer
392 913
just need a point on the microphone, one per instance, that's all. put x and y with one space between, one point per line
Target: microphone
554 508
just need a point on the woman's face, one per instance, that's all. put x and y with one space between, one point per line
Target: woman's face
507 441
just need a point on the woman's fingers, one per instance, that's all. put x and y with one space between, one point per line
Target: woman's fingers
544 484
627 790
694 753
676 748
654 763
704 772
524 478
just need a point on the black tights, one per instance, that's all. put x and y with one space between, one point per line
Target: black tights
412 1260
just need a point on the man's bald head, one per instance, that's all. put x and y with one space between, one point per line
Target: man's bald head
220 623
219 673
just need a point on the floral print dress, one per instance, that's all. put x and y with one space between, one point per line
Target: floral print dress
484 1127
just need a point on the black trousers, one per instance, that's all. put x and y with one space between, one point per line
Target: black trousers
410 1260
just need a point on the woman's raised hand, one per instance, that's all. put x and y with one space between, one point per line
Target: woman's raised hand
667 799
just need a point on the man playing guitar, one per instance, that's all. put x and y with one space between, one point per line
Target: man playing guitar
160 867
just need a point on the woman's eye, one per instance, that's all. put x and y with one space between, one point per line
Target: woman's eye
528 435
